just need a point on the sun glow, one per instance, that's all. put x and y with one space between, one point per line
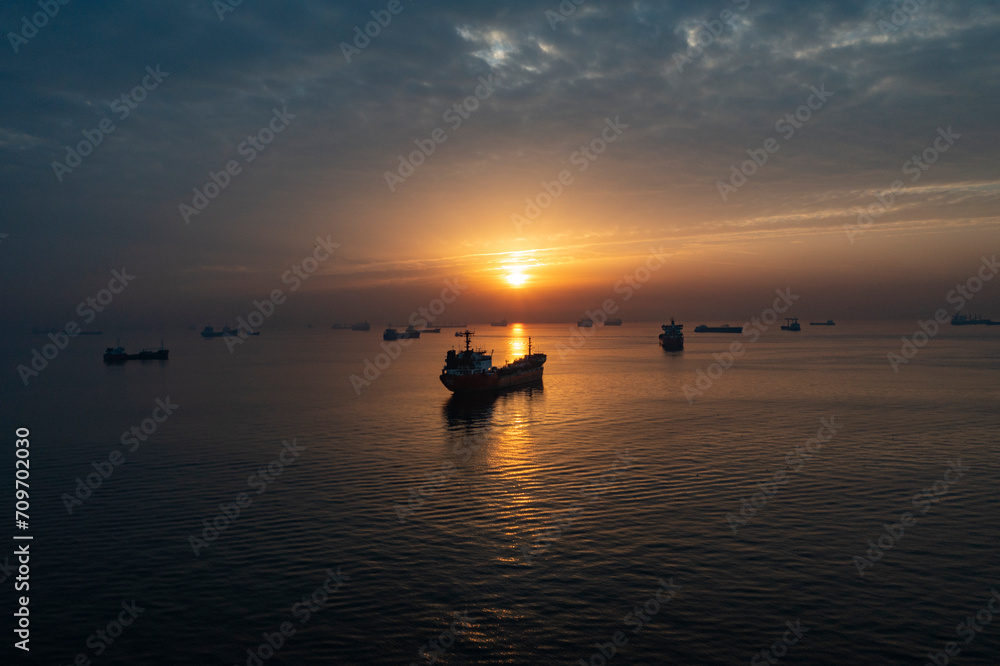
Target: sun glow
517 278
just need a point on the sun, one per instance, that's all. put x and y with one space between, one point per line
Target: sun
517 278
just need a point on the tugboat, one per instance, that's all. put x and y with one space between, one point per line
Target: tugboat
672 339
791 324
472 370
725 328
118 355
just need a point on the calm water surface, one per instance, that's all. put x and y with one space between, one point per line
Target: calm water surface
526 528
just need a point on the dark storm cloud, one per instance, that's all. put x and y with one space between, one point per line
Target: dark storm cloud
893 85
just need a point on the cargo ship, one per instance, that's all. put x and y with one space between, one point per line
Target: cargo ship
791 324
359 326
672 338
977 320
472 370
585 323
613 322
725 328
118 355
828 322
502 322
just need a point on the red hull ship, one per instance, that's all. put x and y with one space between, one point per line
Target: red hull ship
672 338
472 370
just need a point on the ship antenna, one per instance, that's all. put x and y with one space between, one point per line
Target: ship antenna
529 346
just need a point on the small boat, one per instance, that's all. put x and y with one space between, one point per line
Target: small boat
828 322
613 322
472 370
502 322
672 338
725 328
791 324
390 334
585 323
118 354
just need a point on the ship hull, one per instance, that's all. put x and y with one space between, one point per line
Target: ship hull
672 344
490 381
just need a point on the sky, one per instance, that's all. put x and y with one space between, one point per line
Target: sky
541 156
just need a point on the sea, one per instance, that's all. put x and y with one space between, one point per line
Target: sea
312 496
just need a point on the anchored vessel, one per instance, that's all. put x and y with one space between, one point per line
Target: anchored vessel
585 323
472 370
672 338
118 355
226 332
502 322
359 326
791 324
725 328
613 322
977 320
828 322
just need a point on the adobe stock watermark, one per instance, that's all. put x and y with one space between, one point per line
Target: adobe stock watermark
102 639
123 105
582 158
248 149
294 276
302 611
794 462
230 511
958 298
706 36
902 13
786 126
566 518
779 648
753 329
437 479
362 38
130 439
435 648
394 349
968 629
87 309
223 7
566 9
887 540
37 21
626 287
455 117
639 617
913 167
